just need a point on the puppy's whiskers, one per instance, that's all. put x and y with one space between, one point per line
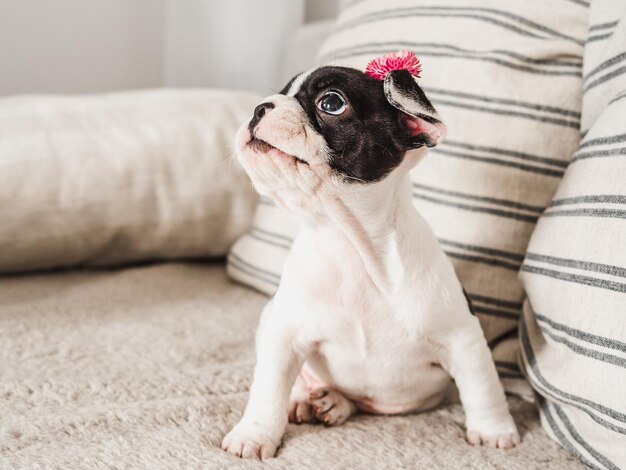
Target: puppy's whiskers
354 178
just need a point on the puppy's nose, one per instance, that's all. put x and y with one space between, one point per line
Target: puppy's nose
259 112
261 109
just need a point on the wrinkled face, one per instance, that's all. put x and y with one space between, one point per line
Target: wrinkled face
335 125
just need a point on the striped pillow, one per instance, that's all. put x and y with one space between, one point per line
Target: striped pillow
573 332
507 82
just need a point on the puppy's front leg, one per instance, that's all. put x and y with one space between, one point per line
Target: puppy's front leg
487 416
258 433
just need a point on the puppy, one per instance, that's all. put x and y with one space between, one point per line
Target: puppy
369 314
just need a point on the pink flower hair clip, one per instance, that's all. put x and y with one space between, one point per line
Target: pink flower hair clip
380 67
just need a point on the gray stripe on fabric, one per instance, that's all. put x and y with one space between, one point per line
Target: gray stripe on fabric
509 375
557 394
605 213
507 365
578 438
599 153
612 139
617 271
353 24
606 64
508 153
580 2
480 249
496 212
599 37
481 259
251 273
489 99
596 27
543 404
494 312
511 335
490 200
273 234
583 351
618 97
495 161
494 301
254 267
590 199
268 241
502 112
522 20
582 335
576 278
605 78
411 11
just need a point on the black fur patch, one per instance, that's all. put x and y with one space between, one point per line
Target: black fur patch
370 138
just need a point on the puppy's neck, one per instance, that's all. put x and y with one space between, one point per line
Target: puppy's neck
374 219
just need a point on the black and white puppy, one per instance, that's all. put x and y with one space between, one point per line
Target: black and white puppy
369 314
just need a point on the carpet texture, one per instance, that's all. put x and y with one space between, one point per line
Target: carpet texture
149 367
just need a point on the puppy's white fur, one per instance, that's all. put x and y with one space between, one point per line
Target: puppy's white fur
368 301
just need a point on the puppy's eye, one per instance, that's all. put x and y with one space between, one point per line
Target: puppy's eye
332 103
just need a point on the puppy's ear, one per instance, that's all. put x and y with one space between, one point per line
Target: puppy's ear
417 115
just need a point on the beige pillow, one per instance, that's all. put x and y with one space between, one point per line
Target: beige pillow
507 81
117 178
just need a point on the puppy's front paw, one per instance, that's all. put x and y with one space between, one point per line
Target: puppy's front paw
250 441
499 437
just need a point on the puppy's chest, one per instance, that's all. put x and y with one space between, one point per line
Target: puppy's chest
341 301
369 354
360 328
371 333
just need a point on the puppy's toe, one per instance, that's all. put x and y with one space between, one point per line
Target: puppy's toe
248 442
474 438
508 440
498 440
301 412
330 407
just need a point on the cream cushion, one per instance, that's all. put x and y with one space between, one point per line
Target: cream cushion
117 178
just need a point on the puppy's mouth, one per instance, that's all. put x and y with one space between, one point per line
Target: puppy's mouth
263 147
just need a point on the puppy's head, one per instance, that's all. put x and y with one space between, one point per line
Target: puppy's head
335 127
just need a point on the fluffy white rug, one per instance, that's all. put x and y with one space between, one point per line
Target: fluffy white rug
149 367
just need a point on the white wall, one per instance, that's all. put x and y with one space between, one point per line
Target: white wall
240 45
86 46
73 46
